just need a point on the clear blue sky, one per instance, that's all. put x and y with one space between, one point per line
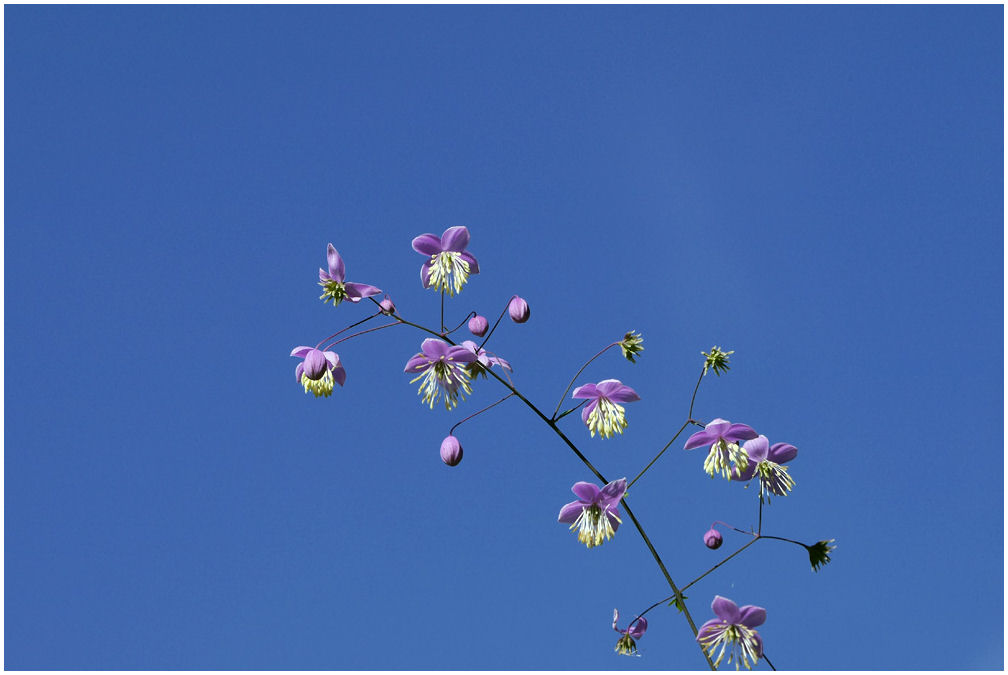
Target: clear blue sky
817 188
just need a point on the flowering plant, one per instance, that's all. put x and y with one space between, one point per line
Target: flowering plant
446 369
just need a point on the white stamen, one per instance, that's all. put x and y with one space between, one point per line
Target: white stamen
448 272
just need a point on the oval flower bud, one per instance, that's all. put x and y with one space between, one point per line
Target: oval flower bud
712 539
518 309
451 451
387 306
478 325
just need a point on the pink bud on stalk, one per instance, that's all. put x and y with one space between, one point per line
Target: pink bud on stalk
451 451
478 325
518 309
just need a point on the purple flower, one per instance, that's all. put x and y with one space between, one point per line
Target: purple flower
318 370
442 368
478 325
484 360
712 539
518 310
733 631
626 645
451 451
722 436
595 514
450 264
334 286
765 461
603 414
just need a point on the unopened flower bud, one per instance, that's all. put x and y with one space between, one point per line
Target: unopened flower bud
712 538
478 325
451 451
518 309
387 307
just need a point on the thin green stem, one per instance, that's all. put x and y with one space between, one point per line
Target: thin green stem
667 446
452 430
353 335
468 316
768 662
695 389
792 541
576 375
487 338
442 312
754 540
353 325
564 414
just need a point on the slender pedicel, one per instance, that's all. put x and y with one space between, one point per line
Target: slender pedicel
353 325
466 419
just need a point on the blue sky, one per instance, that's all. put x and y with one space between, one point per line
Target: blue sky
818 188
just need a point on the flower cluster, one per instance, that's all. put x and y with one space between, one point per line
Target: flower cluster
446 369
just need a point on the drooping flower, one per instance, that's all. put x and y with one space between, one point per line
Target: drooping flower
631 345
484 360
335 287
442 368
604 414
819 553
518 310
765 461
732 630
318 370
725 456
595 514
451 451
712 539
627 644
478 325
450 264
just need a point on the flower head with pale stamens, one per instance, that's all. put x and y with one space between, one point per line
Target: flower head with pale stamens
733 630
725 456
765 461
449 264
604 414
627 644
334 284
318 370
595 514
443 372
